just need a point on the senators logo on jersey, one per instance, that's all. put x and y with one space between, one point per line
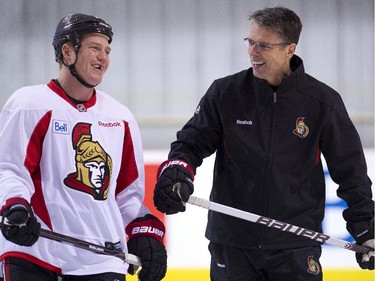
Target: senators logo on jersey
93 164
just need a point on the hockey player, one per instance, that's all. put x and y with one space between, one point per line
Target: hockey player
269 125
71 161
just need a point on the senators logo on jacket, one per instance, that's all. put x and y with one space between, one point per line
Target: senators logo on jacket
301 129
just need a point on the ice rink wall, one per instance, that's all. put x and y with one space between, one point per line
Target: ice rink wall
166 53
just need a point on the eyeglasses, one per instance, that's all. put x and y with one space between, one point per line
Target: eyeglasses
261 45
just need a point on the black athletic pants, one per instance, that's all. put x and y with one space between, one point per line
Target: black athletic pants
232 264
16 269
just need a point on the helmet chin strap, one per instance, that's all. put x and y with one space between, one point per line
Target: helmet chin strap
73 71
79 78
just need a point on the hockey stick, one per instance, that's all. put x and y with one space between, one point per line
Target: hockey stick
283 226
129 258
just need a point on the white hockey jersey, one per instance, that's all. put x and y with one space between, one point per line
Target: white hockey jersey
81 168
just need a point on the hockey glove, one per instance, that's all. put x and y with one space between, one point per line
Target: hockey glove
23 228
366 261
146 241
364 235
174 186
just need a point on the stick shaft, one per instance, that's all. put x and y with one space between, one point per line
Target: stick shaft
68 240
282 226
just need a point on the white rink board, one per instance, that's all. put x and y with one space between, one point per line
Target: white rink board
187 246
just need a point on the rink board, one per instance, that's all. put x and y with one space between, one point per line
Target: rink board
204 275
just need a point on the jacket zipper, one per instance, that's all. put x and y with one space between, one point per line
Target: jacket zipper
268 164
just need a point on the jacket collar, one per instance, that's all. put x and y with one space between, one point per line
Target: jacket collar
298 72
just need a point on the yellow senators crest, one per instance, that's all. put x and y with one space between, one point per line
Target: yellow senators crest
93 164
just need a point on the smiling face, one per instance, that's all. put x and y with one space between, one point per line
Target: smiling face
93 58
271 65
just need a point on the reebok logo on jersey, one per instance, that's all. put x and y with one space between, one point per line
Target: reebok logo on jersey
109 124
60 127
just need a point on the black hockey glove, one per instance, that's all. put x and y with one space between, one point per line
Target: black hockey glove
146 241
174 186
365 236
22 227
366 261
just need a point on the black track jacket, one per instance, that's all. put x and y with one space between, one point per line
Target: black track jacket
268 146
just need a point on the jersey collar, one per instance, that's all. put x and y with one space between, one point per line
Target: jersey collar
79 106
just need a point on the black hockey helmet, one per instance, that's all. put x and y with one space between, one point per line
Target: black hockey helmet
72 27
